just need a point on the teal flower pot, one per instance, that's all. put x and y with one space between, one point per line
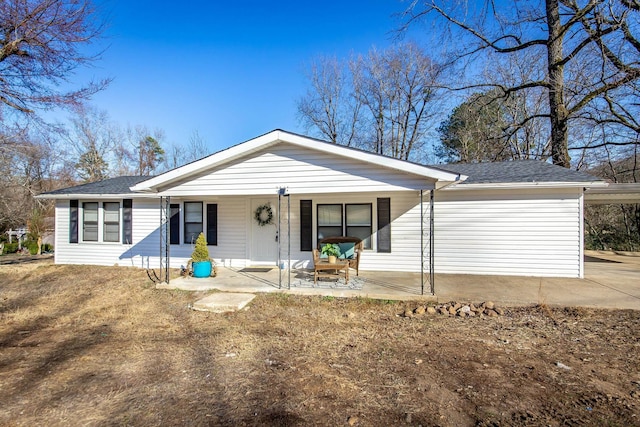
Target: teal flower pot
201 268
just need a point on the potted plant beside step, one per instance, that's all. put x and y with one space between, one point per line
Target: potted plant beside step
200 261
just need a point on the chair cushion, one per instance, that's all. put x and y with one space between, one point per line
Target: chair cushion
347 250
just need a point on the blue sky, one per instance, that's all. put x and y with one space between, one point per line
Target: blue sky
230 71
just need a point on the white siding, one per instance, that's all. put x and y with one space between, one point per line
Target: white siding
532 233
142 253
526 233
301 171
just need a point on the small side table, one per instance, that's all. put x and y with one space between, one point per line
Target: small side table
326 269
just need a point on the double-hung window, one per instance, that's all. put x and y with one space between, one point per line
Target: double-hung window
358 222
111 225
351 219
193 224
90 221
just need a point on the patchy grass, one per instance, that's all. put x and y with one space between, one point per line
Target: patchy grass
84 345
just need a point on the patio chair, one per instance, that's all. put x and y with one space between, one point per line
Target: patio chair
350 249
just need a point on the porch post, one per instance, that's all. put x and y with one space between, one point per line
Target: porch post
165 213
421 245
282 192
432 242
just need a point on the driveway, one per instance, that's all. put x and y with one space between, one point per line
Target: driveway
611 281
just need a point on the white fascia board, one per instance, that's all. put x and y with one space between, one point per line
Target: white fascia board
524 185
95 196
278 136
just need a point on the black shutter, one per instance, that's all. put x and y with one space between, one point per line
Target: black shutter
174 224
127 221
384 224
212 224
306 225
73 221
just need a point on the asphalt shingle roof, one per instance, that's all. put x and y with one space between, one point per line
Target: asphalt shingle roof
516 171
118 185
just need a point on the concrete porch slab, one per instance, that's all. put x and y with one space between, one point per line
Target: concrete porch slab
223 302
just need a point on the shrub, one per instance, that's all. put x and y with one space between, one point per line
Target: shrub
201 251
10 248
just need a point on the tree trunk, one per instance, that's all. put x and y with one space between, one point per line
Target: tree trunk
557 108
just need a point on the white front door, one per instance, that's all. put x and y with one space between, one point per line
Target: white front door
264 245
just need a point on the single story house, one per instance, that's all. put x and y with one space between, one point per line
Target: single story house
269 200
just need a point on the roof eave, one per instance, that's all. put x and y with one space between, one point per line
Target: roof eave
70 196
525 185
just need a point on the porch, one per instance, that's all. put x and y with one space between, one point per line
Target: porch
611 281
369 284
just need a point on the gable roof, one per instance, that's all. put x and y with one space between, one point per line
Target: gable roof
279 136
520 173
117 187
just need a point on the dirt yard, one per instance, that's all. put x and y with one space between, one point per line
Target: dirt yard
90 346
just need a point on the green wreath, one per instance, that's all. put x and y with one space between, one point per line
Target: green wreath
263 215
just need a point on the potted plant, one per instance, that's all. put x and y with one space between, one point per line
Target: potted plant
332 251
200 261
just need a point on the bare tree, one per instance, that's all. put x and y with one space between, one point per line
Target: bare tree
42 43
94 140
142 150
330 106
384 102
586 52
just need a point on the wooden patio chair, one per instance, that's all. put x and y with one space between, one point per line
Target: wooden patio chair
343 242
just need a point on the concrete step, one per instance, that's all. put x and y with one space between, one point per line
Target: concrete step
223 302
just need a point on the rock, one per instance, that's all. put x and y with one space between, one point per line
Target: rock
490 313
473 307
562 366
420 310
465 308
457 305
350 315
431 310
452 310
408 313
407 418
352 420
443 310
499 311
472 313
462 313
489 305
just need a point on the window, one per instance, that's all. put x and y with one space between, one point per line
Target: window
329 221
358 222
90 221
111 218
192 221
174 224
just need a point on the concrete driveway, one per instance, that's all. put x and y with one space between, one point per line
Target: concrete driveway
611 281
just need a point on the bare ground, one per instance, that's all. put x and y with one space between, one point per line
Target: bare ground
86 345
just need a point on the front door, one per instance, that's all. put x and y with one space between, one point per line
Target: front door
264 243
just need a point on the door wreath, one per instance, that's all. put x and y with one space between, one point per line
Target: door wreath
264 215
